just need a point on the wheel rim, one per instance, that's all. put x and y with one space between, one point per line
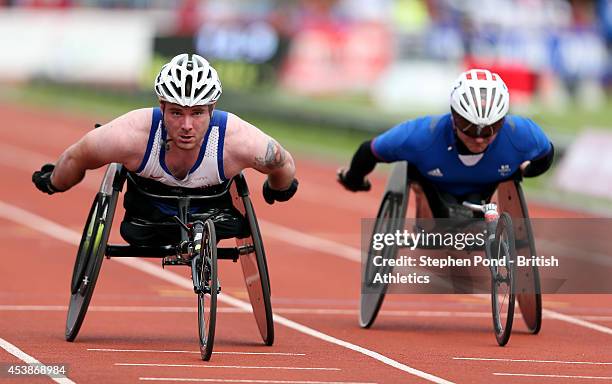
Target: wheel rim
86 247
502 289
502 293
207 297
371 302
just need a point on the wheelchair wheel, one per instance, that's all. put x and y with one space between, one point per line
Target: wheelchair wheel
529 293
390 217
209 284
255 271
89 260
503 280
528 290
387 221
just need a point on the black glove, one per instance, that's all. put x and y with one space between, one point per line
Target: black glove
42 179
352 185
271 195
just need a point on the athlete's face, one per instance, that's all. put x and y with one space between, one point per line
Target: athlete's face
186 126
475 138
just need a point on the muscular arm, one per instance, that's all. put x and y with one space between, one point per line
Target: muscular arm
123 140
249 147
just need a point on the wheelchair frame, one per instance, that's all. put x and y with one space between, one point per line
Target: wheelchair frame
394 205
249 250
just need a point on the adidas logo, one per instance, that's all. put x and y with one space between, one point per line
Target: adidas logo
435 172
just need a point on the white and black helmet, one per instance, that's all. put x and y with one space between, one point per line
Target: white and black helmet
481 97
188 82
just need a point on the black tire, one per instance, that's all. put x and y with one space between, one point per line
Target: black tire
503 280
529 291
388 220
89 260
207 297
256 277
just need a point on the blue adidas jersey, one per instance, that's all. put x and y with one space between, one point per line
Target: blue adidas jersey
429 144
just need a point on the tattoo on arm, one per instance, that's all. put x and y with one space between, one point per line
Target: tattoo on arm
274 158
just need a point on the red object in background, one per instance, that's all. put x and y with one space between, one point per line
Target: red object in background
188 18
334 59
48 3
521 81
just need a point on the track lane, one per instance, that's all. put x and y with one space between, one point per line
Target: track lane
334 223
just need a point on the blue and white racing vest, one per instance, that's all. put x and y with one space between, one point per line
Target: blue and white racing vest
208 168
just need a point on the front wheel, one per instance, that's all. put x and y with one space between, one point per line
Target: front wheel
503 255
89 261
206 267
388 220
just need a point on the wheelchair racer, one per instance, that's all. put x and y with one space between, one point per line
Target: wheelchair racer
461 155
184 146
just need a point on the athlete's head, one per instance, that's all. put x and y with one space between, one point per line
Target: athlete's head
188 89
479 103
188 82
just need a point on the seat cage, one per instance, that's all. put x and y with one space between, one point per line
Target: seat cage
113 182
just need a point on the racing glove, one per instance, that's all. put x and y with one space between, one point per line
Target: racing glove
271 195
362 184
42 179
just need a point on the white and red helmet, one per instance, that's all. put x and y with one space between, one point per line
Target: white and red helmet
481 97
188 81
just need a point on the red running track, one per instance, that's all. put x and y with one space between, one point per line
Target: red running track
142 326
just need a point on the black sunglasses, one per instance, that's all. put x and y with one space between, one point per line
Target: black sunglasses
475 131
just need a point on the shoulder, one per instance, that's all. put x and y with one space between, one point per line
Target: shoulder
524 134
125 138
136 121
239 129
417 135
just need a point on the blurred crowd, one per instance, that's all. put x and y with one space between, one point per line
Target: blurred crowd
525 40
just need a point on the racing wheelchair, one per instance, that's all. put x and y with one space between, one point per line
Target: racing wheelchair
197 249
509 234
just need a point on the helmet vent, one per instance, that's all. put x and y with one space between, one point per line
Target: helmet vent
198 92
474 99
493 94
210 92
176 88
188 81
166 90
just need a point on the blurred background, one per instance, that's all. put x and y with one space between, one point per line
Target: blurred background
323 75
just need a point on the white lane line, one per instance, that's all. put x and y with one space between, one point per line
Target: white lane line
196 352
554 376
293 311
249 381
532 361
153 269
314 243
227 366
59 232
21 355
577 321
